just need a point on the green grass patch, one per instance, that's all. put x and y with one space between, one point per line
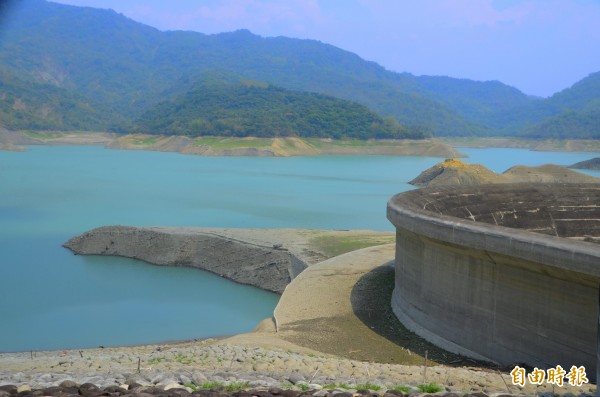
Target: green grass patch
231 387
368 386
42 135
430 388
233 143
302 386
237 386
183 359
336 245
156 360
212 385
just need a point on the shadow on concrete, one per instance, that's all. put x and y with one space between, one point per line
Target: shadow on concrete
371 297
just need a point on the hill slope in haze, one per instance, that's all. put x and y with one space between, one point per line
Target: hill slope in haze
125 68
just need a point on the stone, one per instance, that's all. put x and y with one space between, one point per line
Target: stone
133 386
395 392
89 389
115 389
8 391
198 378
23 388
173 385
338 393
260 393
259 383
184 379
287 393
296 378
68 383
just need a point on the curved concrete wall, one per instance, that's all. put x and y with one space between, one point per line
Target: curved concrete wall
526 294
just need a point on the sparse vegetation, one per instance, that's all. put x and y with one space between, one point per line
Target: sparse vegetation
156 360
230 387
183 359
302 386
337 245
367 386
430 388
211 385
191 386
236 386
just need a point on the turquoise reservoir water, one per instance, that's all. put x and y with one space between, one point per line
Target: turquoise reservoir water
51 299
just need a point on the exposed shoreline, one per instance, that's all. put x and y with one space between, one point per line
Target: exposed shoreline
231 146
265 258
444 147
313 341
538 145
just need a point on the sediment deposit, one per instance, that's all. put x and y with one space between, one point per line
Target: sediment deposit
456 172
233 146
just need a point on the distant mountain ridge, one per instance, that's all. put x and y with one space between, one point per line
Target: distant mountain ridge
121 68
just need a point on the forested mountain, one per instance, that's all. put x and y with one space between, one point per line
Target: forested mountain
121 69
570 123
259 110
26 104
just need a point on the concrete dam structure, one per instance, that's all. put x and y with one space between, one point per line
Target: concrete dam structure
504 273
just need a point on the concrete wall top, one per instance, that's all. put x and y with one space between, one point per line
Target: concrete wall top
544 223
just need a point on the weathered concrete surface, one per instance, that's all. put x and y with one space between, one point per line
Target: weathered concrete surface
469 281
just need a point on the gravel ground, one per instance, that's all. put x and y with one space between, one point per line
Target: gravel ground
197 364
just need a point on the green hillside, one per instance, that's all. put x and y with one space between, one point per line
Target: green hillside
568 124
260 110
122 69
35 106
128 66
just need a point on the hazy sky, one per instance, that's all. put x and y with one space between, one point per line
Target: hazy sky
538 46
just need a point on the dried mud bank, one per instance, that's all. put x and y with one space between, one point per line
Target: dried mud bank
227 146
539 145
265 258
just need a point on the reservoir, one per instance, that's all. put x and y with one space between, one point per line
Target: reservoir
51 299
